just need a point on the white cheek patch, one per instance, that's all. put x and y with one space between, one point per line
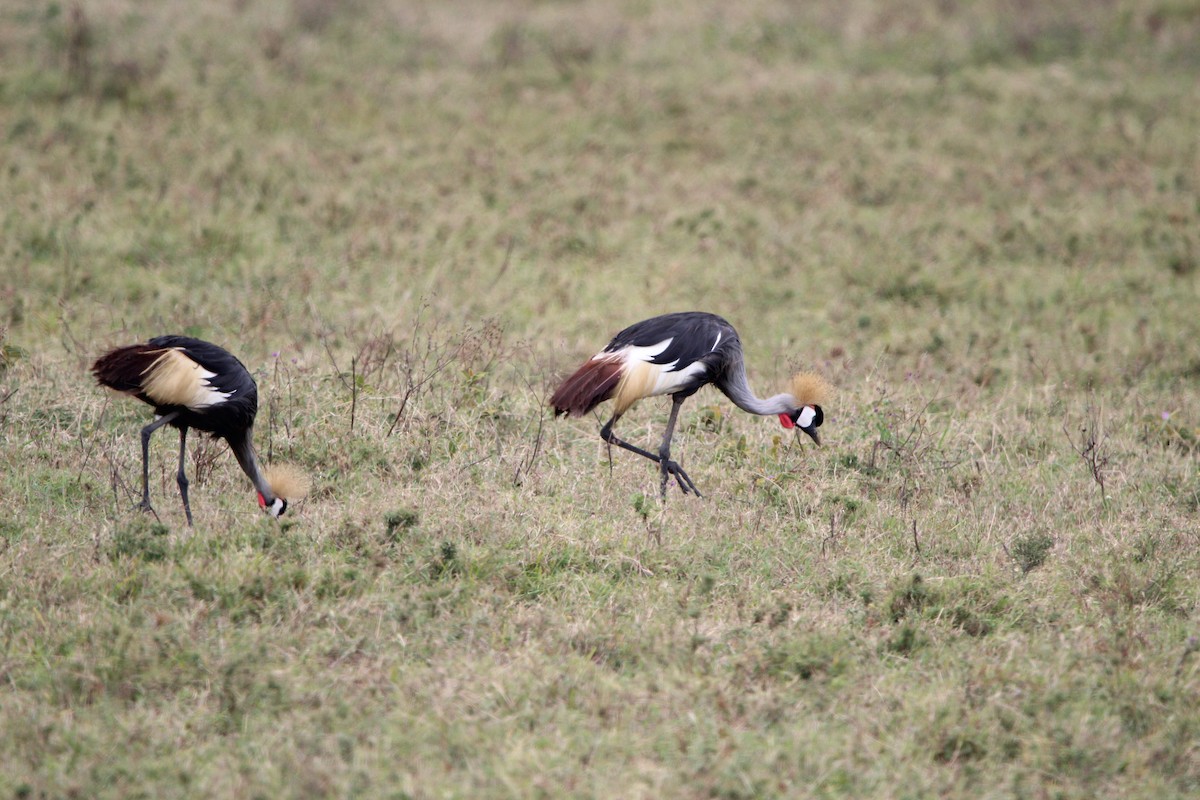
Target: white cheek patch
277 508
807 415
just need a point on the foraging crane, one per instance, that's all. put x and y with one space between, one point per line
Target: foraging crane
195 384
677 354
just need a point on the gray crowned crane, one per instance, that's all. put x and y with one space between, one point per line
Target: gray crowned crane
196 384
677 354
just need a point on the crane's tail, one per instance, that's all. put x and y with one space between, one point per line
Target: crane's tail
124 368
165 375
588 387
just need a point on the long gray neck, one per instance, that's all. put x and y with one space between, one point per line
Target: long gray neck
735 386
243 450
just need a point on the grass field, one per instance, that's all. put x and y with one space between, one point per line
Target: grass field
409 219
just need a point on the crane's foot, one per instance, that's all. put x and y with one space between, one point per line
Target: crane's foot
145 508
672 469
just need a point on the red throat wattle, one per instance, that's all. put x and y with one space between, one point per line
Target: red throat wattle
784 420
262 501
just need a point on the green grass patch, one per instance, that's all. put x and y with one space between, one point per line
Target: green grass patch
409 221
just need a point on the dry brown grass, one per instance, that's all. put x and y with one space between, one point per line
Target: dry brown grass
409 220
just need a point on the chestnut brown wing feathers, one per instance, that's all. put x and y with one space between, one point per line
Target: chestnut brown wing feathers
588 387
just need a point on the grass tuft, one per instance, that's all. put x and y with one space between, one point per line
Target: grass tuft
399 522
142 538
1030 550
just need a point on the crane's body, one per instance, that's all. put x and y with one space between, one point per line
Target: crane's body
677 354
196 384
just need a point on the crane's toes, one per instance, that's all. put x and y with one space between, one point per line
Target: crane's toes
681 478
689 487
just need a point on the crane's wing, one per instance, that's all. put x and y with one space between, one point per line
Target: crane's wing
670 354
663 355
674 341
200 372
173 378
176 371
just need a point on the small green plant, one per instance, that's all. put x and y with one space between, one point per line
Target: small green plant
806 658
970 622
959 746
10 530
642 506
142 538
912 595
905 640
1030 550
398 521
708 418
446 563
338 581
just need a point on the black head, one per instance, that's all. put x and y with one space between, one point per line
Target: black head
277 507
806 418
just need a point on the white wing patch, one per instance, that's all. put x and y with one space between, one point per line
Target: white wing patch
631 353
672 380
641 378
174 379
208 395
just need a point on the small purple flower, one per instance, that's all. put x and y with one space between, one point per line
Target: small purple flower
275 354
1166 415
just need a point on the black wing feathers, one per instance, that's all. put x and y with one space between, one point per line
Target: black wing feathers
230 374
124 369
694 335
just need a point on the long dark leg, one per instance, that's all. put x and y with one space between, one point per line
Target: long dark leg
147 432
606 435
669 467
180 477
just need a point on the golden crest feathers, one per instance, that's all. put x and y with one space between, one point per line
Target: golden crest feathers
288 481
810 389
